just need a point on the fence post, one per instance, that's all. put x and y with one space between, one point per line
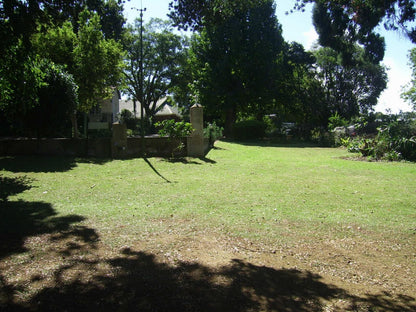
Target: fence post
195 143
119 141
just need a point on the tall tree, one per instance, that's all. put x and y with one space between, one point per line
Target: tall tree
349 90
236 60
299 97
163 56
20 76
334 21
94 62
58 99
98 62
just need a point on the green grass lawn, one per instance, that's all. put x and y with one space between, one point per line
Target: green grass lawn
243 190
252 227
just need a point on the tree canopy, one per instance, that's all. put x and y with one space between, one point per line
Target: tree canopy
237 64
362 15
235 61
349 90
163 57
82 51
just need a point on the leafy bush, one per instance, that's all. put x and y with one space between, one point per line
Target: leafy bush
174 129
322 137
401 138
213 132
394 141
345 141
336 121
249 130
339 134
270 124
353 145
126 117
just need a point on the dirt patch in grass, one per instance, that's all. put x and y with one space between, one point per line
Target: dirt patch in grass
190 269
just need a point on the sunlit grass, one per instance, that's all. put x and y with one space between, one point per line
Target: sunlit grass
258 192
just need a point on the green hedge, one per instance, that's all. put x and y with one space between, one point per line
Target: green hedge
249 130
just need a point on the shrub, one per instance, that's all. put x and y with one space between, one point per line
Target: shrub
338 135
249 130
400 136
322 137
270 124
213 132
395 141
336 121
126 117
174 129
353 145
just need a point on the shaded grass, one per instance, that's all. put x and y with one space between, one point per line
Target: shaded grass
240 190
250 228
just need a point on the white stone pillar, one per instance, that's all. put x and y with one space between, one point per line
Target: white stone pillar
195 142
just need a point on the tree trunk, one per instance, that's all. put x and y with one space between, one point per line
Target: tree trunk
74 124
230 117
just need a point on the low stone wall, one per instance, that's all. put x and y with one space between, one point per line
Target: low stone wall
153 146
99 147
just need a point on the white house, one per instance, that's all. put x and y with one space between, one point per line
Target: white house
167 111
105 113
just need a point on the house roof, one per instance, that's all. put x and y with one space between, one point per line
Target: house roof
166 110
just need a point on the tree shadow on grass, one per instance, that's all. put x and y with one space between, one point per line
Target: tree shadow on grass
37 163
13 185
182 160
189 161
137 281
144 284
45 163
20 219
147 161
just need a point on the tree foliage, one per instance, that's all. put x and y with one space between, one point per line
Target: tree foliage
95 62
340 32
349 90
163 57
64 33
98 62
235 61
299 97
409 92
58 99
361 15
